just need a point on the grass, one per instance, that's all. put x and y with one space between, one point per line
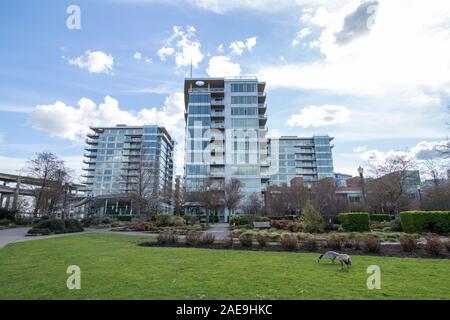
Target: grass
113 267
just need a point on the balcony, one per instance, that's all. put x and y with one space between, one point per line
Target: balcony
217 114
217 161
132 154
133 141
262 119
91 149
262 107
217 102
306 172
216 125
87 175
91 155
217 150
217 174
305 158
306 151
89 161
92 141
311 164
208 90
92 135
261 97
90 168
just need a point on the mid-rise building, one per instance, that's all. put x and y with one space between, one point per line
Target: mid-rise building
225 135
121 159
307 158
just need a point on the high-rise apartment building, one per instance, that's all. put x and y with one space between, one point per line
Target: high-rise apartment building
124 158
307 158
225 134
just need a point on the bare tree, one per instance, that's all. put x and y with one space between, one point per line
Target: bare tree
253 205
53 175
143 187
388 192
178 196
435 171
232 195
325 199
209 196
437 198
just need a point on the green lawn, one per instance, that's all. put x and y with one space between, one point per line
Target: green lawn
113 267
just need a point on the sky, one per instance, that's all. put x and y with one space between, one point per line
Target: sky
375 75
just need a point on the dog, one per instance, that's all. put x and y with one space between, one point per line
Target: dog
342 258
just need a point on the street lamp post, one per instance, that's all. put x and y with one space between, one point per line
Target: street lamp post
309 190
419 190
363 188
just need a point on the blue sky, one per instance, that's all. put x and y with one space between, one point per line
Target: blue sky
373 74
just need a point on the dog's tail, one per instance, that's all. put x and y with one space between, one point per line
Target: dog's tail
321 256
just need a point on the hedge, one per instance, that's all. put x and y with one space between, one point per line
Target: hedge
381 217
57 226
242 220
124 218
425 221
355 221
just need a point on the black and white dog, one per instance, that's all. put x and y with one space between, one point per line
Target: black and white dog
342 258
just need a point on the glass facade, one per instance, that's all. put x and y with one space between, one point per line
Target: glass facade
117 156
308 158
224 122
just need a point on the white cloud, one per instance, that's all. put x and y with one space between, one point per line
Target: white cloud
184 46
397 54
300 35
238 47
318 116
94 62
72 123
220 48
420 153
137 56
250 43
165 52
221 66
360 149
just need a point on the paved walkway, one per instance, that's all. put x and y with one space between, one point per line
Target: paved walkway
220 230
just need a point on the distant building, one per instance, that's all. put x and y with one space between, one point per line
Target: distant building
117 159
341 179
308 158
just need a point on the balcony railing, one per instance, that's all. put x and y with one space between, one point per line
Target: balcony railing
218 125
91 155
91 141
194 90
217 102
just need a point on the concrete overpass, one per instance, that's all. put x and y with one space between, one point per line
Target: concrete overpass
12 186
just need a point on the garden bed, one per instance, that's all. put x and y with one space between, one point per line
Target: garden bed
387 250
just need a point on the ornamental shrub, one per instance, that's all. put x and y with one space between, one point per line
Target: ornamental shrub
425 221
355 221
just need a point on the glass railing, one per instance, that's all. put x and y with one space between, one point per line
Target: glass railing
206 90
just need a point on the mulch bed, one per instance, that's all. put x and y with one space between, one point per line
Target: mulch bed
391 250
